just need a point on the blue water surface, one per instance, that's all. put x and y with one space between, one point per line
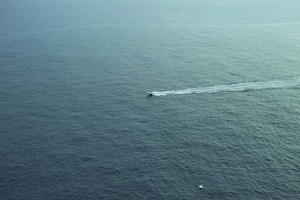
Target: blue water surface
75 121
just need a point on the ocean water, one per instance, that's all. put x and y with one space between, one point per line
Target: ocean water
75 121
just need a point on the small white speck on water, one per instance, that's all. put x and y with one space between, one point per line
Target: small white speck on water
200 186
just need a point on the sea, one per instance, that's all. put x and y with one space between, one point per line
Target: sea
223 121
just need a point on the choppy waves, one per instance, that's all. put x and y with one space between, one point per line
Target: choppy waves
239 87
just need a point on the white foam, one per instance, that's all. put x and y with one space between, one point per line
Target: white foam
239 87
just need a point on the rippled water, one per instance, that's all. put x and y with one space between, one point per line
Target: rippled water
76 123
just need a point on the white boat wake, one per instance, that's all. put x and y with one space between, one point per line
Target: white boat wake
239 87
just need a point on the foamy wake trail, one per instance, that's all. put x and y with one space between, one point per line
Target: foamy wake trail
232 88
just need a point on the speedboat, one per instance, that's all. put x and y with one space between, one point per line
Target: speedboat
150 94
